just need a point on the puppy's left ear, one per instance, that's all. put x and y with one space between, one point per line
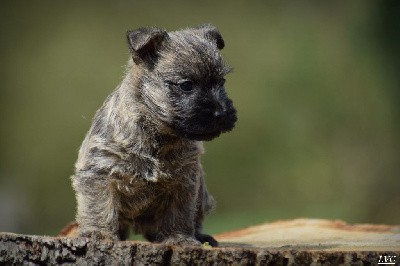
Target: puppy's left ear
144 44
212 34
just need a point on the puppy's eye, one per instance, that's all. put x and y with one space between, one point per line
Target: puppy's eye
186 85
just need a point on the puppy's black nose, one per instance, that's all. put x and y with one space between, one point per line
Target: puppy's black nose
220 114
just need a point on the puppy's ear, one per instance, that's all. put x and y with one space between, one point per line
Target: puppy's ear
212 34
144 44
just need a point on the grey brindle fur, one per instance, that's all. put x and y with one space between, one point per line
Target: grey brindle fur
139 165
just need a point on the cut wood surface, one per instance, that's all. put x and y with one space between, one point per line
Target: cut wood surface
316 234
296 242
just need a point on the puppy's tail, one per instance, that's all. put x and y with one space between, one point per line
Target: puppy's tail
70 230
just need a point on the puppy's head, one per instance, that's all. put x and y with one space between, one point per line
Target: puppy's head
182 80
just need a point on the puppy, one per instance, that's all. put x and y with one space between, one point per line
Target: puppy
139 165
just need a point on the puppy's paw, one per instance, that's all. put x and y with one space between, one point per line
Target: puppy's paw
203 238
181 240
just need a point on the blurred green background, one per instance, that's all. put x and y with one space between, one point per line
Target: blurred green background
316 85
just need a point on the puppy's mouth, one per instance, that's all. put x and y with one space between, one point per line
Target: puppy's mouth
208 131
203 136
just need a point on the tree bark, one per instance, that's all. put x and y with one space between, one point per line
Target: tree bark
296 242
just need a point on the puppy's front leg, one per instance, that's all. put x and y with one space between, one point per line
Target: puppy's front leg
177 227
97 213
173 222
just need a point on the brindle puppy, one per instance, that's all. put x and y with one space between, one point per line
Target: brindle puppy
139 165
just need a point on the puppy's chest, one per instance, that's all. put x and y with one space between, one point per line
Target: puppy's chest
168 174
139 195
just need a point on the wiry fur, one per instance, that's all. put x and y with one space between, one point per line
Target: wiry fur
139 165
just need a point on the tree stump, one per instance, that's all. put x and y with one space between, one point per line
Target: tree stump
295 242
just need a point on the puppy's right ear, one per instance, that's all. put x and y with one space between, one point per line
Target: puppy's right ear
144 44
